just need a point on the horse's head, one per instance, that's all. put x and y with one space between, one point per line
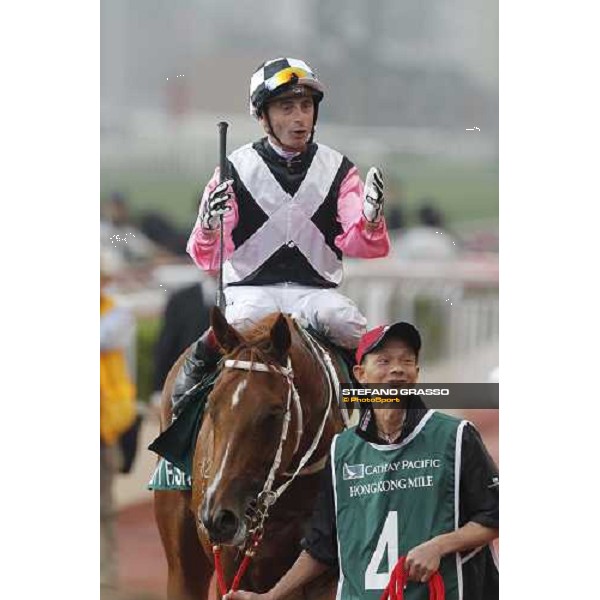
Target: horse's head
246 411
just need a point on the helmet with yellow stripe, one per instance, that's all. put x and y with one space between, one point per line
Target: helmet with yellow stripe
276 77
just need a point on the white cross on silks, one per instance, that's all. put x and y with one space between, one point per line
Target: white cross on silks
289 217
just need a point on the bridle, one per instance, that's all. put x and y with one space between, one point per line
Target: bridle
267 493
268 497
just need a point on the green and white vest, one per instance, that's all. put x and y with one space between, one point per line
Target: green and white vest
389 499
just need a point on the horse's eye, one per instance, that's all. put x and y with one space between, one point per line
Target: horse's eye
271 419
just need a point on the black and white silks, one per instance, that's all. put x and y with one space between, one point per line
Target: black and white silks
293 227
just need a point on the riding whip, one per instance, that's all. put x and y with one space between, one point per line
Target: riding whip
222 126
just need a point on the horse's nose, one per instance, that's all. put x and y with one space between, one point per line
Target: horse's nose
223 526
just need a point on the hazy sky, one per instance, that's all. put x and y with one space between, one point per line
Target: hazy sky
425 63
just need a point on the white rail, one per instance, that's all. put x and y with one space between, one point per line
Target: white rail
454 304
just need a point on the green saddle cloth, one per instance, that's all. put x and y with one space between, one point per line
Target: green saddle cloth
167 477
177 444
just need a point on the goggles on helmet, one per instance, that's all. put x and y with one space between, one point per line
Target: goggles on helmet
276 76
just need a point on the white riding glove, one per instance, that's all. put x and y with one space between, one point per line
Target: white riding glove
373 202
216 205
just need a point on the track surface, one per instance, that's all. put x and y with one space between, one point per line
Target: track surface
142 565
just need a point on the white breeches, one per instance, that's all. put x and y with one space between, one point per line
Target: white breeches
328 311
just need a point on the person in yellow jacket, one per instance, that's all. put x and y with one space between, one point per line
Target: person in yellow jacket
117 414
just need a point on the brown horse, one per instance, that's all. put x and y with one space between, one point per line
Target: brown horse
270 416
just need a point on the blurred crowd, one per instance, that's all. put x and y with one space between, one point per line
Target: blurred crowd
146 238
117 417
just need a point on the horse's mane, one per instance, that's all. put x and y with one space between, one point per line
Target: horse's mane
261 330
258 337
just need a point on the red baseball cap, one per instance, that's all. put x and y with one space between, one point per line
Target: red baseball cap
375 337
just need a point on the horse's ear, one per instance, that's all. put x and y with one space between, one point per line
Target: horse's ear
281 339
227 337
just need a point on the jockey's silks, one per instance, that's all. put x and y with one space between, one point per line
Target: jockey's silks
286 234
344 216
117 392
391 498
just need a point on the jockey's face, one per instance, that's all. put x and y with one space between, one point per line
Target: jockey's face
392 363
291 121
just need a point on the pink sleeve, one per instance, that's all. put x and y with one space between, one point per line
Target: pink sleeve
356 241
203 245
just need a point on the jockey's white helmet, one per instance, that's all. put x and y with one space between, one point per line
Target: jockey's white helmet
274 77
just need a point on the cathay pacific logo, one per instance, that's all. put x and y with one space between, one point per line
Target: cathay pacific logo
353 471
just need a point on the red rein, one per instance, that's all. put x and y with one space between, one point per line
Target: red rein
219 570
393 591
398 579
241 569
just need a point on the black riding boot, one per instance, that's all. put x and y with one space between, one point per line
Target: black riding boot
202 358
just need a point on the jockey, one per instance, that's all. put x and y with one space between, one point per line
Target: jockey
291 209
